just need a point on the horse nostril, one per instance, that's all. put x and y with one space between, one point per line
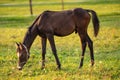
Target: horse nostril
20 69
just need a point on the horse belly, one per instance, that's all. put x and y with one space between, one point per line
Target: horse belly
64 29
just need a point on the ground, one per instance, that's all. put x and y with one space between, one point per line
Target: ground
14 21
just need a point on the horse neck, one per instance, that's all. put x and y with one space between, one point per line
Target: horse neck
30 37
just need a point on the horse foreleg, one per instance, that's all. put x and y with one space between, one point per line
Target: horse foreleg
52 43
90 45
43 42
83 41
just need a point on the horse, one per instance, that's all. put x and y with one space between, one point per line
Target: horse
58 23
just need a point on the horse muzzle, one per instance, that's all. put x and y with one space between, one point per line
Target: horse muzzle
19 67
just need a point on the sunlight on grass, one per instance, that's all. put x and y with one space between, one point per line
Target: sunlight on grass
16 19
105 42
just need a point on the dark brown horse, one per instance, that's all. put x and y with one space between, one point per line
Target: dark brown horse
59 23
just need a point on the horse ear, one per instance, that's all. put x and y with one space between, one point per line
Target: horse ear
21 46
17 44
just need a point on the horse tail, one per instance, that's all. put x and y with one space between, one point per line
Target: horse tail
95 22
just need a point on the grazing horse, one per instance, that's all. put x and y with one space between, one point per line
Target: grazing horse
59 23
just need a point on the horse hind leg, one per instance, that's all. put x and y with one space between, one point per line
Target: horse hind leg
90 45
83 42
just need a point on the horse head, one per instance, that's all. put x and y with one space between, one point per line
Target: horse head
23 55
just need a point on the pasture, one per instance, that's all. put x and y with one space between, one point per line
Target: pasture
14 21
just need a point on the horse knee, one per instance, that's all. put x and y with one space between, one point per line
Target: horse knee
84 45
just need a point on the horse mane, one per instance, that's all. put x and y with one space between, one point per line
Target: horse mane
30 28
29 31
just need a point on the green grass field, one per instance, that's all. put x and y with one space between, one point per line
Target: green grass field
14 21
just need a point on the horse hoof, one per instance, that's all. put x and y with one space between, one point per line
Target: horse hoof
92 63
81 64
42 68
58 68
80 67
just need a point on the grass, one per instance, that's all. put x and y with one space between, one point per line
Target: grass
7 10
13 26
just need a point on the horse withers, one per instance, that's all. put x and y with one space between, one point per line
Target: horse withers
59 23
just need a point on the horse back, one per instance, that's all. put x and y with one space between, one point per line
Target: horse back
60 23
